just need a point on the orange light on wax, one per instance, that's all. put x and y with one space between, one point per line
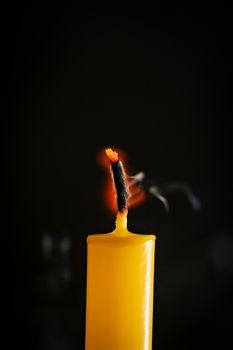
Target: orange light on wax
120 280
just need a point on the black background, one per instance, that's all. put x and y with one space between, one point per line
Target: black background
154 82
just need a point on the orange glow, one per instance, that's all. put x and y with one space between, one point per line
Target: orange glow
136 194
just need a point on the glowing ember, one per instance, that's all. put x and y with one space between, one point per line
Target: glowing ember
113 156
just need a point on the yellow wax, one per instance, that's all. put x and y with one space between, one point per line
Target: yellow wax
120 280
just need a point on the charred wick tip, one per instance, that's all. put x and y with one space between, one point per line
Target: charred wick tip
120 185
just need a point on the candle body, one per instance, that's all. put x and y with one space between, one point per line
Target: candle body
119 300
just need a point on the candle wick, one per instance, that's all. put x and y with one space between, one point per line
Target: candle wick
119 180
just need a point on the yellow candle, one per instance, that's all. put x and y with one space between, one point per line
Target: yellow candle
119 299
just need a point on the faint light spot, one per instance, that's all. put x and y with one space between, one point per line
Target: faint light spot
47 244
65 245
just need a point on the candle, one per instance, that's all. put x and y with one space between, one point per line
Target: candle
120 280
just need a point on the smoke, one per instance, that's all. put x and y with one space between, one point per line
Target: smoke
161 191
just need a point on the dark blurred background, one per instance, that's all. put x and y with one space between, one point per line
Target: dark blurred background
154 82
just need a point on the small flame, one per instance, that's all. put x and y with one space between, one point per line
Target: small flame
137 194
